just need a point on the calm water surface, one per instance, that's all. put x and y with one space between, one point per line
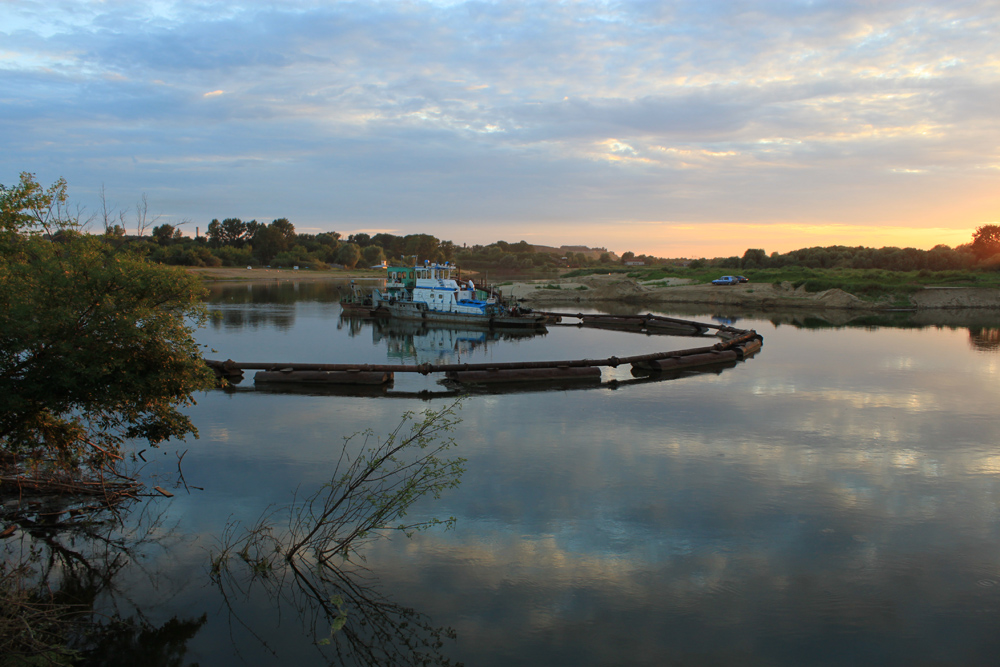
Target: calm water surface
832 501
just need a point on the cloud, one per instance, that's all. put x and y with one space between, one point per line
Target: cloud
406 113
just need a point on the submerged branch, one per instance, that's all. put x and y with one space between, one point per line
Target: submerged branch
374 483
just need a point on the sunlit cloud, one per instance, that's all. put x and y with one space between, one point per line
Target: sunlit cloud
520 118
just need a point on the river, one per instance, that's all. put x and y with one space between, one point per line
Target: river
831 501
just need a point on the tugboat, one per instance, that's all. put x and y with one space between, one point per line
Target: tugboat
429 293
357 301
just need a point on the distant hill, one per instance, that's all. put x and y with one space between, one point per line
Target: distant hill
590 253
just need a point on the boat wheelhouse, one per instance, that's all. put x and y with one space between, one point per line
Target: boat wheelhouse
429 292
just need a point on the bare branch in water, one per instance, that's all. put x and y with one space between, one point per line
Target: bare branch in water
312 562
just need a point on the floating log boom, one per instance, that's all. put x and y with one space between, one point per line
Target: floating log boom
299 376
738 345
649 322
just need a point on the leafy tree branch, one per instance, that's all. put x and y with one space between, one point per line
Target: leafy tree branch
96 342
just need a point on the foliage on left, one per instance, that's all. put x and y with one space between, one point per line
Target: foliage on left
96 342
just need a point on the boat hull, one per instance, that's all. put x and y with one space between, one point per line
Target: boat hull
415 311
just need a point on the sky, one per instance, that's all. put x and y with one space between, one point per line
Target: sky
678 129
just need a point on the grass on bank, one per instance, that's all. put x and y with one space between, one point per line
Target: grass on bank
864 283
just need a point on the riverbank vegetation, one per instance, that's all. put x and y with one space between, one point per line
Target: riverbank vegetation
97 361
97 356
864 283
96 342
869 273
233 242
856 269
96 351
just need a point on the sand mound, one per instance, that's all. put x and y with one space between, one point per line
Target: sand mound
838 298
618 289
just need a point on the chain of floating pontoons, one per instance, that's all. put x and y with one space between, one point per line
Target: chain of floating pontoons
743 343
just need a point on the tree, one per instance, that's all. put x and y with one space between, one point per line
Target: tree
373 255
28 208
754 258
214 233
95 345
986 241
233 232
142 219
111 218
447 249
392 245
272 239
251 229
163 233
286 229
349 255
421 245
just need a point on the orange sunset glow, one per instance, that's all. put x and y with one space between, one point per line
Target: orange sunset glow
674 129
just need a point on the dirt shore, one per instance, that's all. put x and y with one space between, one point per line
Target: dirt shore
753 295
615 288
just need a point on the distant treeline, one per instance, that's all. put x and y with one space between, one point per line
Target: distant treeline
982 252
939 258
233 242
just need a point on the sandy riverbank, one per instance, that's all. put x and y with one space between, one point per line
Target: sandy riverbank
618 289
752 295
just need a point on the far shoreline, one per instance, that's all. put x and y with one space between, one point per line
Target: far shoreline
258 274
549 292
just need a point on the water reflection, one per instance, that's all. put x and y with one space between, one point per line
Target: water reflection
266 304
412 344
832 502
68 564
276 292
227 317
973 319
342 608
420 342
448 389
305 555
985 339
136 641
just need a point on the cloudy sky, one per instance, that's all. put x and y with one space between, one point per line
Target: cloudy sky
684 128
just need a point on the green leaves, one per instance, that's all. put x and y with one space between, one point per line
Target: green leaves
27 207
95 341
